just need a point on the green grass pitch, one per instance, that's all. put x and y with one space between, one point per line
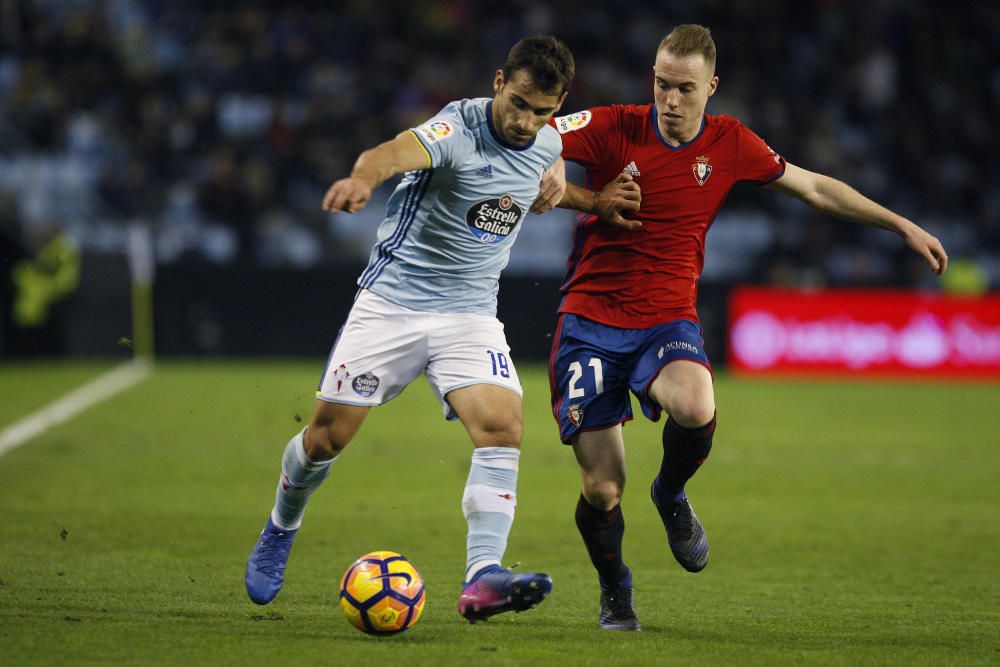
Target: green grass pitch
850 523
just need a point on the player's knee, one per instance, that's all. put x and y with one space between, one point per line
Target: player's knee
603 494
323 442
692 411
502 428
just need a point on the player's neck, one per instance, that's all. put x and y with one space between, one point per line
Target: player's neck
675 136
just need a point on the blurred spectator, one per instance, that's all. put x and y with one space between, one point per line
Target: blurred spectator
222 123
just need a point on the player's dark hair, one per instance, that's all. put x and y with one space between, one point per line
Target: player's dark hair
690 39
547 61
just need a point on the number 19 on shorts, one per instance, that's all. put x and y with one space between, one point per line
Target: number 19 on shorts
501 367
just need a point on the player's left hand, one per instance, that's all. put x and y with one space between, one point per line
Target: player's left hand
553 187
928 246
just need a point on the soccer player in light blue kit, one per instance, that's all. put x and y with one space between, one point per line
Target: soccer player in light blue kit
427 303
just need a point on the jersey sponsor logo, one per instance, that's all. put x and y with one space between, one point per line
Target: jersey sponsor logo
702 169
575 414
365 384
435 131
491 221
631 169
574 121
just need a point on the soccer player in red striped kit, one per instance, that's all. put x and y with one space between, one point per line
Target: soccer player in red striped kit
628 321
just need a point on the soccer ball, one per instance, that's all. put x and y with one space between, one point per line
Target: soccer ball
382 593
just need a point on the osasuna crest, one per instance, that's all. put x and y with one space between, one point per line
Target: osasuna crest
702 169
575 414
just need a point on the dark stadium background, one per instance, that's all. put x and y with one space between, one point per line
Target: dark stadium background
217 126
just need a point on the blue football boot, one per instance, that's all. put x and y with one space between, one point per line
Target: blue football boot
266 564
686 535
617 608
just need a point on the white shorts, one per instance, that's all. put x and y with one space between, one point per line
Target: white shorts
383 347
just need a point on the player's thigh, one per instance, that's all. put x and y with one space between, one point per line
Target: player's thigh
673 373
490 413
601 455
379 351
588 377
684 389
466 350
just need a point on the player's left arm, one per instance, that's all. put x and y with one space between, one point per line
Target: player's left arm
838 198
552 188
373 167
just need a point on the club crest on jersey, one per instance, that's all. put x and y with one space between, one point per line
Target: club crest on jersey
435 131
702 169
365 384
575 414
493 220
574 121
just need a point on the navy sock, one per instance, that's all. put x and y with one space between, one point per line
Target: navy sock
602 534
684 450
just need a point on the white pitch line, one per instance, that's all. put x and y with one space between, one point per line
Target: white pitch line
101 388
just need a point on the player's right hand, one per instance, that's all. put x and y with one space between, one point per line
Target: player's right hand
618 198
347 194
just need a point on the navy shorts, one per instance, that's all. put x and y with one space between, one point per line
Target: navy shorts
593 366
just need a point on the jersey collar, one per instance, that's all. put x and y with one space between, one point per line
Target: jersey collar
656 128
496 135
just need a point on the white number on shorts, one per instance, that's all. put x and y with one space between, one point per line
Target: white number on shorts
500 365
577 370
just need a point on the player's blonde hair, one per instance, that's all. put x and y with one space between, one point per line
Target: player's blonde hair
688 40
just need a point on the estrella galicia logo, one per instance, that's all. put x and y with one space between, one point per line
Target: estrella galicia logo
493 220
365 385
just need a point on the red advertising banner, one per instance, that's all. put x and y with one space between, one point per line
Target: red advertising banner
871 332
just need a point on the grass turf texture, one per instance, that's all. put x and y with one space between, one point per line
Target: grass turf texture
850 524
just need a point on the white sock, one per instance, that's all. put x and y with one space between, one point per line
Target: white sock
488 504
299 478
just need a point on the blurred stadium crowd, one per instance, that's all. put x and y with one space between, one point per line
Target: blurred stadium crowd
220 124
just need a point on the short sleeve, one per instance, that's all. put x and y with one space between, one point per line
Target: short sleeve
584 134
445 137
757 161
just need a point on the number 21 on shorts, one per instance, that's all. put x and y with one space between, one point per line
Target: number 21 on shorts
501 367
576 371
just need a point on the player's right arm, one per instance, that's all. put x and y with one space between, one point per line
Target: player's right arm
618 198
373 167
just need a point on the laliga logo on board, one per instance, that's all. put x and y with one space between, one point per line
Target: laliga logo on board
574 121
761 340
702 169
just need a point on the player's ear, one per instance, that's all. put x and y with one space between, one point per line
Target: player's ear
712 85
498 82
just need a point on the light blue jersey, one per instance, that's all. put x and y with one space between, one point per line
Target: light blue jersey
449 229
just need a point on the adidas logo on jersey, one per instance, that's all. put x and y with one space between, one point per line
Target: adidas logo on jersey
485 172
631 169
